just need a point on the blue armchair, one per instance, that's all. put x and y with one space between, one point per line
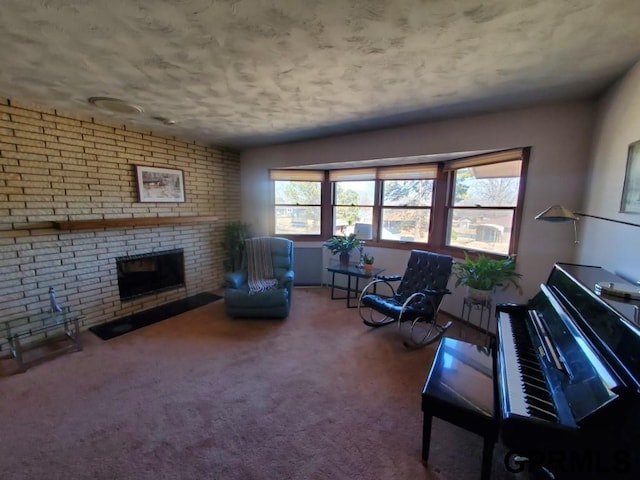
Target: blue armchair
272 303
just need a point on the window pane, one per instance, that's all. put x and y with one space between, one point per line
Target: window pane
405 224
355 193
487 185
297 220
345 219
292 192
480 229
411 193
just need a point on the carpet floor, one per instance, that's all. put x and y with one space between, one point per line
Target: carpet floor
203 396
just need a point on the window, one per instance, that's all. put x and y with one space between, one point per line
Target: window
473 203
354 194
481 210
407 197
298 202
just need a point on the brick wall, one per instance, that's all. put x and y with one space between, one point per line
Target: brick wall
57 167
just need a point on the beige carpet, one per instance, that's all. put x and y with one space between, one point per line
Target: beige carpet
202 396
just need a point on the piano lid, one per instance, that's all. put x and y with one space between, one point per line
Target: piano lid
593 277
615 335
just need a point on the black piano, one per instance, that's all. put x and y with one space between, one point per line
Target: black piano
568 378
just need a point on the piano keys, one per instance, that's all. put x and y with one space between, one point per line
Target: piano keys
568 377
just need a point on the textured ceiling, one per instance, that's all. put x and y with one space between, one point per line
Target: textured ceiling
250 72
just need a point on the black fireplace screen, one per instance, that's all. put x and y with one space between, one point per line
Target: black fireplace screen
151 272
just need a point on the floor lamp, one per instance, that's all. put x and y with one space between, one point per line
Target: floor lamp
558 213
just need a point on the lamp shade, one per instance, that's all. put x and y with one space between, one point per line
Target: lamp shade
557 213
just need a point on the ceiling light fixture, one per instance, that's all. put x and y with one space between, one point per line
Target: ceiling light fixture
115 105
166 121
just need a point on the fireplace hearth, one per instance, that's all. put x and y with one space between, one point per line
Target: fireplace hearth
148 273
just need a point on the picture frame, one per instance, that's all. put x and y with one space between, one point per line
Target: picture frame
160 184
631 191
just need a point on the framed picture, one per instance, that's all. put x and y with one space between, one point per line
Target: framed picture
160 184
631 191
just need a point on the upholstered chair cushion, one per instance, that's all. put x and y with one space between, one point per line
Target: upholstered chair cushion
274 303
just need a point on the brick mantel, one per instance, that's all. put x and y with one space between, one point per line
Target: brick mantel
69 208
130 222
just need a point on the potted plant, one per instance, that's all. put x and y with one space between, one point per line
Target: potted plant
233 237
342 245
368 261
482 274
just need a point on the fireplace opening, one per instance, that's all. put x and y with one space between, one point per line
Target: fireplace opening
149 273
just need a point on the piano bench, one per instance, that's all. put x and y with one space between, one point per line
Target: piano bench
460 390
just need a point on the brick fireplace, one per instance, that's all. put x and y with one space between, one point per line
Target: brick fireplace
58 167
144 274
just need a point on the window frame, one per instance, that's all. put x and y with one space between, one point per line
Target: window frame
382 207
369 177
312 176
442 202
449 171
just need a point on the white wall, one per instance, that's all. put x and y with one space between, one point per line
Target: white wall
559 135
613 246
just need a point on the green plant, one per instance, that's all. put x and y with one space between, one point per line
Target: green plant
367 259
486 273
233 237
341 243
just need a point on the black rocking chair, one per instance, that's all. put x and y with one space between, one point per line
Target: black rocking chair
416 301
